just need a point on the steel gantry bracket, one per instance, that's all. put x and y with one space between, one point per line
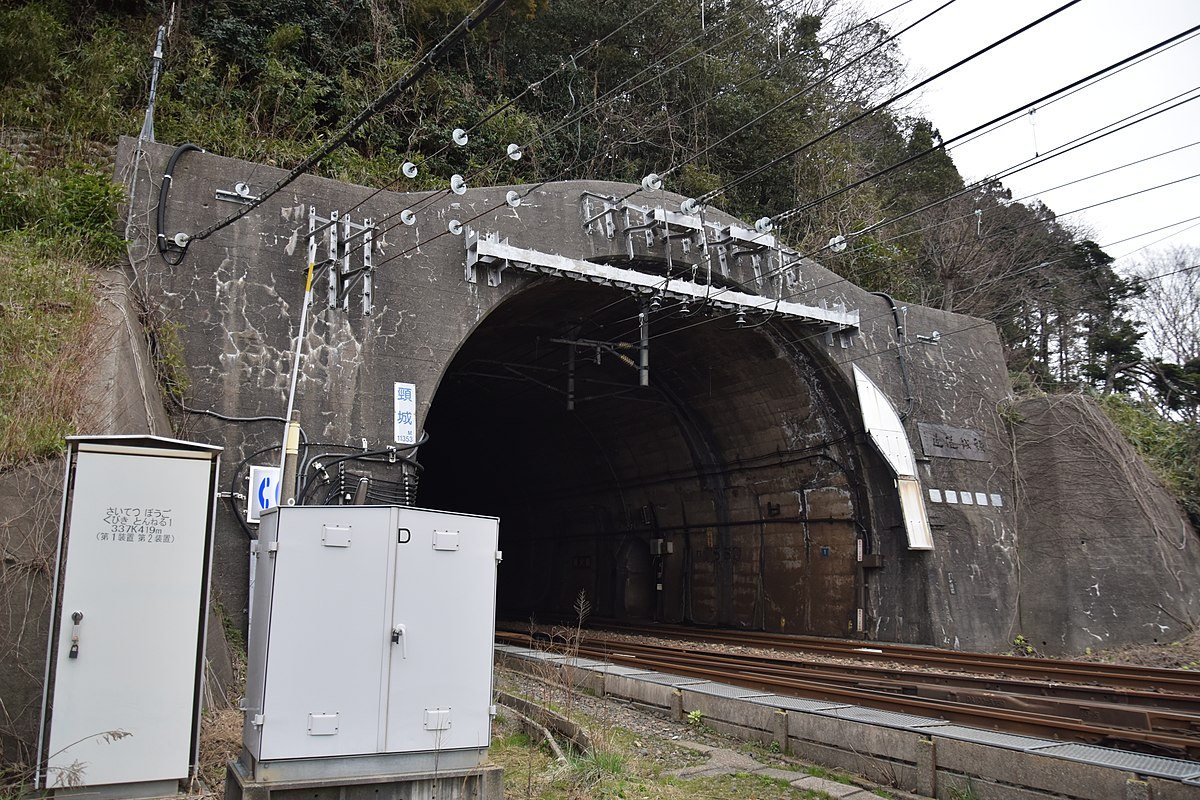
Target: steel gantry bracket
345 239
497 254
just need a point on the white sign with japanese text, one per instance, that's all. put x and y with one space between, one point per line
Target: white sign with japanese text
405 413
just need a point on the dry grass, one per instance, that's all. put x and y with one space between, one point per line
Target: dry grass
1181 654
47 309
220 741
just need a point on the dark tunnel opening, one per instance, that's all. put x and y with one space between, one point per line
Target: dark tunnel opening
727 493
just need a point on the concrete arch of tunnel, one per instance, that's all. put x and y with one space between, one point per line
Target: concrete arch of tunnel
732 491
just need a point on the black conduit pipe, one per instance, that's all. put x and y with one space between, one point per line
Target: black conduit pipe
908 395
163 190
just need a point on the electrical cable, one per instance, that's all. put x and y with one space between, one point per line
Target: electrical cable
1156 241
163 190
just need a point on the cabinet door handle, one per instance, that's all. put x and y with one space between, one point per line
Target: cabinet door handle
398 637
76 618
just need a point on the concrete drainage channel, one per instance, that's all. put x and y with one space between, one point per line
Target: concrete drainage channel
928 756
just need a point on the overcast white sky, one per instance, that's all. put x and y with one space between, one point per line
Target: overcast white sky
1083 39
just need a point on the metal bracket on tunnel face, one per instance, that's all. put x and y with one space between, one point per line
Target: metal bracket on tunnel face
495 268
498 254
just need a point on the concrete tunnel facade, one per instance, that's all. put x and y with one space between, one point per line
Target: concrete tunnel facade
740 488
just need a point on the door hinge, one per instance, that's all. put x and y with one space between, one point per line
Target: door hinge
272 547
257 720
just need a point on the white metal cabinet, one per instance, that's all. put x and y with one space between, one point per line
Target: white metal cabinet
372 632
128 645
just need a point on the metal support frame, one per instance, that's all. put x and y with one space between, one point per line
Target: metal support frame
497 255
345 239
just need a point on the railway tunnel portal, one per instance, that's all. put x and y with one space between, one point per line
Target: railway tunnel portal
729 491
837 465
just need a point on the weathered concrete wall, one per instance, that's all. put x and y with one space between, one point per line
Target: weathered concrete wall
121 398
1107 556
746 455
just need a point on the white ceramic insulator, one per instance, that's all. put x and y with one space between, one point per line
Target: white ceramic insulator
764 225
408 217
409 169
512 199
460 137
652 182
458 184
514 152
455 227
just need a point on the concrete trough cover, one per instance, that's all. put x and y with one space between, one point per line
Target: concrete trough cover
617 669
724 690
1010 741
888 719
540 655
795 703
664 679
583 663
1154 766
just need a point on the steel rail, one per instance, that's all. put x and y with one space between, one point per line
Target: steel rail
1152 679
1056 712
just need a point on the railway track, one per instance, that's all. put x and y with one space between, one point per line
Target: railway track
1147 710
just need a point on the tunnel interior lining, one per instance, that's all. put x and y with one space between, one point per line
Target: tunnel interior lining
728 492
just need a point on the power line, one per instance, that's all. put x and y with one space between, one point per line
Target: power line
705 198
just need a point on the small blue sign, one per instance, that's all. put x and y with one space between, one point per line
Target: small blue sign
264 491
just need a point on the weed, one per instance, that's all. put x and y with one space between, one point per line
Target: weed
964 792
1022 646
695 717
591 768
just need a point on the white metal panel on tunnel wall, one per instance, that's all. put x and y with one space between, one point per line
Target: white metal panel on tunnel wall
887 433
